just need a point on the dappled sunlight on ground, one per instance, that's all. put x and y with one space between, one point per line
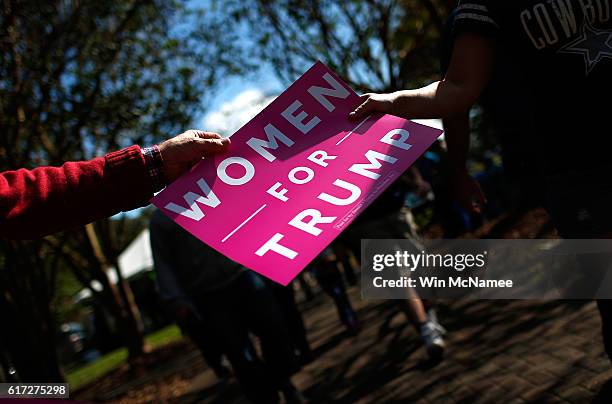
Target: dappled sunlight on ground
519 351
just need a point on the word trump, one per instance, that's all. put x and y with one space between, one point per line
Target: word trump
308 219
295 176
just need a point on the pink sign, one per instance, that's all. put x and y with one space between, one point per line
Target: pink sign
295 176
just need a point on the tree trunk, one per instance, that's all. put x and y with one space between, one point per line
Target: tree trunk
131 322
128 315
110 297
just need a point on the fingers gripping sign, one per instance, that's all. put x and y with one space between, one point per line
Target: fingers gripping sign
373 103
183 151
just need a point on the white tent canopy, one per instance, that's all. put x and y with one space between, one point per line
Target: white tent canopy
135 259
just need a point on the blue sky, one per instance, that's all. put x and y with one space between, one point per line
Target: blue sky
263 82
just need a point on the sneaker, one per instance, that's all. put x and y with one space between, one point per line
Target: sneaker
433 318
432 339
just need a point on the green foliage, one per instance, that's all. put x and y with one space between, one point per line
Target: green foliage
78 78
377 45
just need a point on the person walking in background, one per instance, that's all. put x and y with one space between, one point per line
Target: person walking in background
44 200
347 259
231 302
386 218
328 276
180 306
292 317
565 50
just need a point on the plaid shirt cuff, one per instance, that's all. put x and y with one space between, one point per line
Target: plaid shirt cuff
155 167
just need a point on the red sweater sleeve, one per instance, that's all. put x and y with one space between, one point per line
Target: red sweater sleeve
37 202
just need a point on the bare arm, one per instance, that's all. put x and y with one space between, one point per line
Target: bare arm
467 191
467 76
457 135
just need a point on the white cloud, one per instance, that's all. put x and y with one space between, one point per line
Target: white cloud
233 114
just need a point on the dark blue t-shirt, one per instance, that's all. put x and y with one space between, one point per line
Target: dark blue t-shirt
565 49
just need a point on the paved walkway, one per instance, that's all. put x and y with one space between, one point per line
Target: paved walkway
498 352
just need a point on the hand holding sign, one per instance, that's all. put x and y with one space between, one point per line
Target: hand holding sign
372 103
183 151
295 176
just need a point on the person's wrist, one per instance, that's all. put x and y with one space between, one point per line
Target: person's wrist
399 103
155 167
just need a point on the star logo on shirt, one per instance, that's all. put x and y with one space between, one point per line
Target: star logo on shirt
593 44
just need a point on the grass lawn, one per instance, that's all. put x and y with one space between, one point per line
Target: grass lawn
101 366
